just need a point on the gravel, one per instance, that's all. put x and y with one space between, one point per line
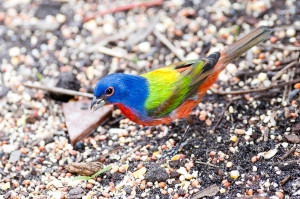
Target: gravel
243 145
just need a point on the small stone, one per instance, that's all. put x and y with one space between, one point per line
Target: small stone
239 131
108 28
127 189
15 156
262 77
90 25
291 32
140 172
14 51
162 184
229 164
192 55
195 183
269 154
234 174
273 39
3 91
279 194
156 173
8 148
5 186
233 138
144 47
254 168
61 18
76 192
297 86
230 109
182 171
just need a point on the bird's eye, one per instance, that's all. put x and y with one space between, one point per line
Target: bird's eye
109 91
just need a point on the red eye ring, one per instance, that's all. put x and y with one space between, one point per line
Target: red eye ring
109 91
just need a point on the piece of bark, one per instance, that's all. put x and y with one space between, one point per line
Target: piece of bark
292 138
84 169
209 191
296 129
81 121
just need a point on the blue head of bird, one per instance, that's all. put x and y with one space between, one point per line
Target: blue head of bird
118 88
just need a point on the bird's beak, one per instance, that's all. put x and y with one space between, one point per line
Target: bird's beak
97 103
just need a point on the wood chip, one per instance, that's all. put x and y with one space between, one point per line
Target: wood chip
209 191
81 121
292 138
84 169
296 129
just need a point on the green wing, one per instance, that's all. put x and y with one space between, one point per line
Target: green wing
171 85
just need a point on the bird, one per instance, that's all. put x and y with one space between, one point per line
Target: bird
170 92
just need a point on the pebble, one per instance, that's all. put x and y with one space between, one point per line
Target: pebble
234 174
291 32
15 156
5 186
233 138
144 47
269 154
43 48
262 77
8 148
90 25
192 55
108 28
229 164
140 172
13 52
239 131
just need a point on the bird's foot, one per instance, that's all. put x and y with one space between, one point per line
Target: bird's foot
178 146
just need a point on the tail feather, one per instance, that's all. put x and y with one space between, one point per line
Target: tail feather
242 45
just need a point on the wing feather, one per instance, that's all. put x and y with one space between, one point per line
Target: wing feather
173 84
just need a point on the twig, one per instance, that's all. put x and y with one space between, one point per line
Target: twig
251 73
282 71
204 163
285 28
167 43
103 41
129 154
143 33
266 134
116 52
286 88
282 182
58 90
222 114
274 85
124 8
281 47
289 152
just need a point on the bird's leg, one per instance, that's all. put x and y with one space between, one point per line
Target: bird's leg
183 141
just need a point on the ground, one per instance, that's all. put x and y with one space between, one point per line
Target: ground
239 144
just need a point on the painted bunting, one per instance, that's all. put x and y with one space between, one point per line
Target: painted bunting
170 92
